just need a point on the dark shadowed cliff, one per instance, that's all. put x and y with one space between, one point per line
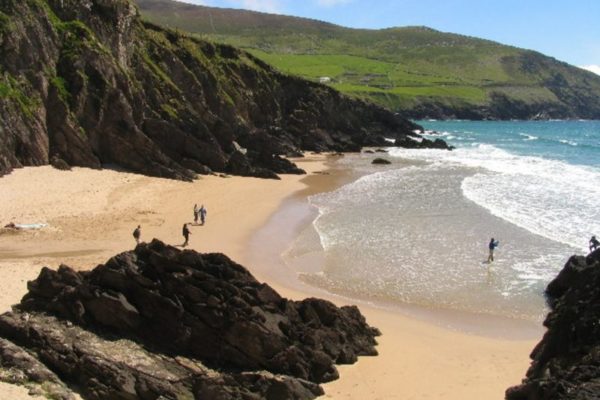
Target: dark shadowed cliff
87 82
566 363
159 321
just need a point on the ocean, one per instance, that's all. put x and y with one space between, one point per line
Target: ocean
416 232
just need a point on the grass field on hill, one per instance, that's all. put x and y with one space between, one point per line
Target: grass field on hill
401 68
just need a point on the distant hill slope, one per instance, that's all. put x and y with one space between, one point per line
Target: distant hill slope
423 72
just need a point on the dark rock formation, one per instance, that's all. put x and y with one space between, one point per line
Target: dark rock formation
566 363
207 327
21 368
59 163
90 82
381 161
417 142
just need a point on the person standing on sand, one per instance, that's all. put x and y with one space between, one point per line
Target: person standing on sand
492 245
594 244
196 214
202 213
137 233
186 234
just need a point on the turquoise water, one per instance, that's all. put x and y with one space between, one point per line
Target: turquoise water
543 176
416 232
574 142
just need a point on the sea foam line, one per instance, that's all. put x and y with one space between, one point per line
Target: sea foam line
547 197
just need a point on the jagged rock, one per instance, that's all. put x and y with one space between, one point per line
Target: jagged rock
417 142
566 363
59 163
239 164
381 161
19 367
107 367
94 84
182 304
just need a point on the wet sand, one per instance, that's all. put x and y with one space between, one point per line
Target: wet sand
91 215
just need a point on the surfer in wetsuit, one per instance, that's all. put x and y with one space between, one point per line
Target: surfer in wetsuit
594 243
493 244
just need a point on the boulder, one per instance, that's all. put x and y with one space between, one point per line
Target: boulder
59 163
160 305
381 161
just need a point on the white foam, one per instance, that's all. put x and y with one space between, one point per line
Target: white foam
551 198
528 137
436 133
569 142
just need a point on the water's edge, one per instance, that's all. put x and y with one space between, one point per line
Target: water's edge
296 216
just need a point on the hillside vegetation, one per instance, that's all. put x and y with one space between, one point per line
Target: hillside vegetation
90 83
418 70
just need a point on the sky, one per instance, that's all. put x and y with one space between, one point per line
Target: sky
566 30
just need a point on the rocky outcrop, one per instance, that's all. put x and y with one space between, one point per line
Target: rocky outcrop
162 321
566 363
417 142
381 161
90 83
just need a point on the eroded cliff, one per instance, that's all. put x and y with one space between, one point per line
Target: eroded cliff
89 83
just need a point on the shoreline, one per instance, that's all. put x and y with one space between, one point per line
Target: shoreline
295 215
416 359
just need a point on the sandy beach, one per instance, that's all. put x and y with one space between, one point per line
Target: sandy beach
90 216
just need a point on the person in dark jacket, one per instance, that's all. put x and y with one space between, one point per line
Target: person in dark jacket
137 233
492 245
186 234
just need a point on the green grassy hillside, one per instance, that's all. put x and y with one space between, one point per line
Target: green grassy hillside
423 72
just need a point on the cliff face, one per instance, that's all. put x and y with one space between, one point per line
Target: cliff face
159 321
566 363
88 82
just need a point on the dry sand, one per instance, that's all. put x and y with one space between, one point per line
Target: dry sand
91 215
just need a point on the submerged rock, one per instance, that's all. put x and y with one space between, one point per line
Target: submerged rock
382 161
162 321
566 363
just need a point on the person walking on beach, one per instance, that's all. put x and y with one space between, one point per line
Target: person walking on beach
196 214
186 234
202 213
492 245
594 244
137 233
